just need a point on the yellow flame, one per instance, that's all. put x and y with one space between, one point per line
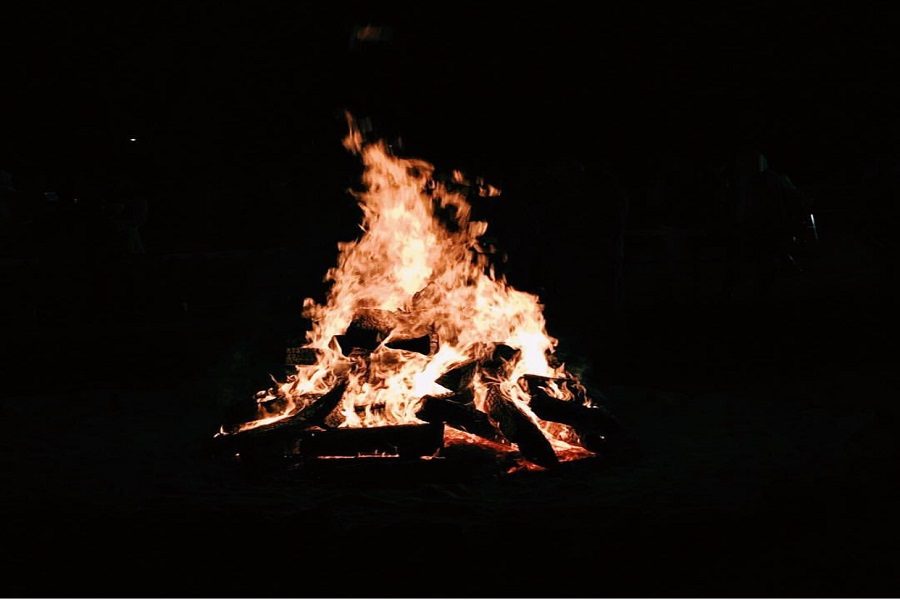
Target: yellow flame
418 258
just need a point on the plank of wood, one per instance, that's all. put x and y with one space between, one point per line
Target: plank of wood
461 415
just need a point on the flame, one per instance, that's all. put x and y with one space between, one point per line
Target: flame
418 260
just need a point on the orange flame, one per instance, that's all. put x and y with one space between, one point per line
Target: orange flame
420 261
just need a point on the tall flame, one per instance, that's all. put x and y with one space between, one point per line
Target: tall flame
419 261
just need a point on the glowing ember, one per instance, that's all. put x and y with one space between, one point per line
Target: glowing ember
418 279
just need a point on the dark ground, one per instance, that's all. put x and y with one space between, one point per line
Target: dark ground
767 462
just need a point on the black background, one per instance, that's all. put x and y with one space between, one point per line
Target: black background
767 425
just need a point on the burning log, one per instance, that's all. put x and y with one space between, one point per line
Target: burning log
421 344
318 411
595 426
458 378
461 415
479 455
368 329
404 212
505 353
501 360
518 428
269 403
291 426
408 441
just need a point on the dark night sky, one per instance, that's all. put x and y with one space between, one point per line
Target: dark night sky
810 85
229 102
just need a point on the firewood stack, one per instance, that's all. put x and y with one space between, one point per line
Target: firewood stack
487 416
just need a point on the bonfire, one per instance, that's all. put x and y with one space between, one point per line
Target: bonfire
420 346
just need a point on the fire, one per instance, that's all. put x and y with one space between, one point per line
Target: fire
418 271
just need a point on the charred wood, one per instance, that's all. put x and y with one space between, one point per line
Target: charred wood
421 344
518 428
461 415
375 319
458 378
291 426
356 341
501 360
368 329
595 426
318 411
505 353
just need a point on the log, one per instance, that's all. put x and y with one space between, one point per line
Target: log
289 427
461 415
358 340
479 454
595 426
421 344
375 319
367 330
458 378
408 441
518 428
318 411
505 353
501 360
